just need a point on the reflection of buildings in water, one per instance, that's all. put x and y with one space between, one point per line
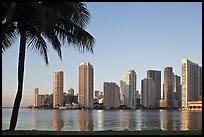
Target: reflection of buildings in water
155 122
35 119
99 125
170 120
124 119
138 119
150 120
163 119
85 120
57 122
195 118
184 120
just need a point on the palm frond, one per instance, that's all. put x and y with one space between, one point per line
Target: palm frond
75 35
73 11
51 36
36 41
8 35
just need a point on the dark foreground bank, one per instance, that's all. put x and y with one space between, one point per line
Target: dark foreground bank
144 132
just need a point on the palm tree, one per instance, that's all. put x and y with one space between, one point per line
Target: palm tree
36 22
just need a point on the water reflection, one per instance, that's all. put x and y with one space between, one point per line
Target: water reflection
85 120
99 123
35 120
124 118
150 120
96 120
180 120
57 122
138 118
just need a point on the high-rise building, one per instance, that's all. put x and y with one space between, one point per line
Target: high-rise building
168 86
190 74
35 94
177 90
86 81
58 96
111 95
148 89
39 99
200 82
128 89
71 91
156 77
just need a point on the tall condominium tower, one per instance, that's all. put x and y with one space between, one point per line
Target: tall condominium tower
156 77
35 94
190 81
200 82
177 90
168 86
58 96
128 89
86 81
148 96
111 95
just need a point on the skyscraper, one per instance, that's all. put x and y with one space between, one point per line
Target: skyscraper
168 86
39 99
86 80
200 82
177 90
189 81
111 95
58 96
156 77
148 89
35 94
128 89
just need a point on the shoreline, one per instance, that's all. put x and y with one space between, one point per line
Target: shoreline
107 132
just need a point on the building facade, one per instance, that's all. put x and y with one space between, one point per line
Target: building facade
39 99
128 89
71 91
148 90
35 94
168 86
156 77
86 81
190 90
111 95
200 82
58 96
177 91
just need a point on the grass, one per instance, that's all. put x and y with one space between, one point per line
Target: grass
109 132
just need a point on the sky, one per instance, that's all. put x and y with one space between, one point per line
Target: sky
129 36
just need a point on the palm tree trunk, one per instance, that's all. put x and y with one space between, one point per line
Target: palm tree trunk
18 98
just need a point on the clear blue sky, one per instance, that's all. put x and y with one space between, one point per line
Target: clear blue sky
138 36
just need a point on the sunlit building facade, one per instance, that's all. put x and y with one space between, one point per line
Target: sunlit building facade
190 82
148 90
86 81
111 95
35 94
128 89
168 86
200 82
58 96
156 77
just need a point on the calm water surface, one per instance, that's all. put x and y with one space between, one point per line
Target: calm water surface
96 120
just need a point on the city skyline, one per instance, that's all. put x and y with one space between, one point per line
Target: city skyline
159 35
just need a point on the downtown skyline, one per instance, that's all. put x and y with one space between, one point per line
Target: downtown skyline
159 35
